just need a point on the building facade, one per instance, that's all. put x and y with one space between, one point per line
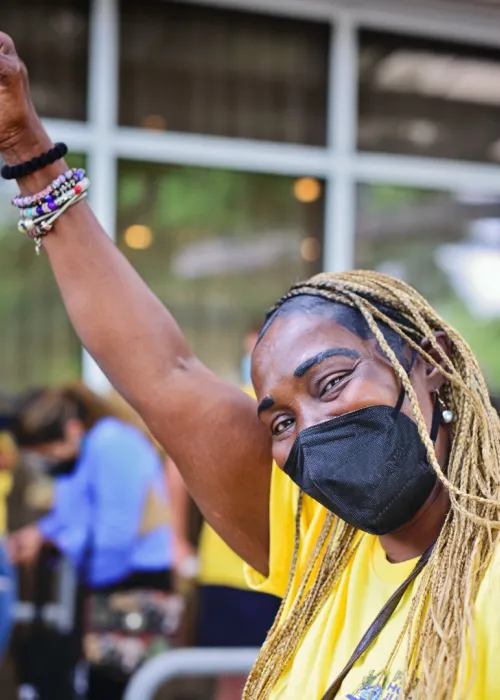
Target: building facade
235 146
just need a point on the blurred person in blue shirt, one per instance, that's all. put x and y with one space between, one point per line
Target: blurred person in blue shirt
109 490
110 507
8 460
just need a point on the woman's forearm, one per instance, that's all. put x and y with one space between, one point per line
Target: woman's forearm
119 320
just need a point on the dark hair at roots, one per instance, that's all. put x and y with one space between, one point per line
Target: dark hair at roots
348 317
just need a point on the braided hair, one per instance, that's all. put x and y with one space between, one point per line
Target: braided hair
440 618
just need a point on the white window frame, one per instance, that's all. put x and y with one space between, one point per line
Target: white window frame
339 163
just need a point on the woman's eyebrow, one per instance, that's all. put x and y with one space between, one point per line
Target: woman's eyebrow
266 403
316 359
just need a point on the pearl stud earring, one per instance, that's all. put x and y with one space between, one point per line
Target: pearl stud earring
446 415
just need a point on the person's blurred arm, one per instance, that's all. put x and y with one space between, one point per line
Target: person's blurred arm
180 509
65 526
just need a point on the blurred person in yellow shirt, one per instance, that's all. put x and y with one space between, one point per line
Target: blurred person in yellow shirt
8 461
230 613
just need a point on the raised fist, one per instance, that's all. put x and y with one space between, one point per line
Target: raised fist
20 128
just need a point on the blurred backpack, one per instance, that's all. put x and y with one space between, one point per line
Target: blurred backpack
46 658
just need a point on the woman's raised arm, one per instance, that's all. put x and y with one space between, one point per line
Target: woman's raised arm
209 427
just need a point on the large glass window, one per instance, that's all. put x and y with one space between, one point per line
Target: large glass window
37 344
218 247
212 71
428 98
52 36
447 246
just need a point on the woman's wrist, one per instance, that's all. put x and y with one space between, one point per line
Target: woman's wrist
33 141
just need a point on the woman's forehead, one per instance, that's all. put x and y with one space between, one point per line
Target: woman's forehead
294 338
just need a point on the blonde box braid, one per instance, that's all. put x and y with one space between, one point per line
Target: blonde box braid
440 619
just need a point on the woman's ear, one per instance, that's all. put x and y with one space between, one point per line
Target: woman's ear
432 374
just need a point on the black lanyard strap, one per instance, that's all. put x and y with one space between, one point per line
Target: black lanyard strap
377 625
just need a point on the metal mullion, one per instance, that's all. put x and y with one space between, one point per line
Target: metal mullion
340 195
310 9
220 152
470 25
102 112
426 172
78 135
474 26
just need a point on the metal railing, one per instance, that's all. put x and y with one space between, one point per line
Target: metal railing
189 662
59 613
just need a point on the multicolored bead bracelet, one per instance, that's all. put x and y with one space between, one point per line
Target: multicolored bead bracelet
37 230
52 201
38 212
44 196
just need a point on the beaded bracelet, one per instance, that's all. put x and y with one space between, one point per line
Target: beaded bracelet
15 172
30 222
50 201
37 232
20 202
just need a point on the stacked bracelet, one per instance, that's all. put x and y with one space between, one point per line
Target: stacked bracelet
55 188
37 231
38 212
51 201
16 172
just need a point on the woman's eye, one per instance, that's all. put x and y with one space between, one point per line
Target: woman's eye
281 426
331 384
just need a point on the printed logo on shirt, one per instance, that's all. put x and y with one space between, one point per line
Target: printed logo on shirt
375 686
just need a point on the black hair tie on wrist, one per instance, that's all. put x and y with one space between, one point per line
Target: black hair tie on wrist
16 172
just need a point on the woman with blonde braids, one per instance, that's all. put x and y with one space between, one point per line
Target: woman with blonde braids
384 504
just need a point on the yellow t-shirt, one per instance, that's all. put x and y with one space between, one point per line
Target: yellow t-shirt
8 447
363 589
5 489
219 565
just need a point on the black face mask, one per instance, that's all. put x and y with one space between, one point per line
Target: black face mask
60 468
369 466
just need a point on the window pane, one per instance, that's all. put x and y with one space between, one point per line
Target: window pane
421 97
37 344
218 247
448 247
52 38
213 71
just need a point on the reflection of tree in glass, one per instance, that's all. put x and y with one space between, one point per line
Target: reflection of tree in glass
225 245
400 229
37 344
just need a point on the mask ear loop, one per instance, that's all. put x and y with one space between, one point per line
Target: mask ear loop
436 414
436 421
